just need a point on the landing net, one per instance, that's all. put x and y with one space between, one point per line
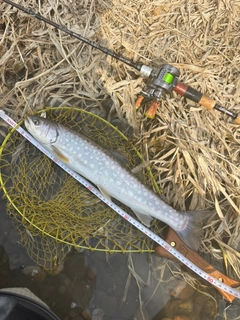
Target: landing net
52 211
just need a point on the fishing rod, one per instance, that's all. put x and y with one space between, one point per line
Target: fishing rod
162 81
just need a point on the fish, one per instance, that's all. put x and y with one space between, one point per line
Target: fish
97 165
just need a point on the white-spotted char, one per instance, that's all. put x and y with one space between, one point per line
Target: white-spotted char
96 164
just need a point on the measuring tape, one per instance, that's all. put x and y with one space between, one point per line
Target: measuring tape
122 213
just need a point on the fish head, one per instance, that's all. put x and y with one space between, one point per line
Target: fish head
43 130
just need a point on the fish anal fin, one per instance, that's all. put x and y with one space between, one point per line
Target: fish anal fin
104 192
60 155
146 220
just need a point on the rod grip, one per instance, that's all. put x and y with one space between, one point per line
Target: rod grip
194 95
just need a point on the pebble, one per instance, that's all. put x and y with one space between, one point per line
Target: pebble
85 315
75 267
35 274
91 273
98 314
141 315
59 268
181 290
186 306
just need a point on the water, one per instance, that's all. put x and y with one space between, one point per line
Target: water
97 285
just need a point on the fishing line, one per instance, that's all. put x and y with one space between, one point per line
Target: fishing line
235 293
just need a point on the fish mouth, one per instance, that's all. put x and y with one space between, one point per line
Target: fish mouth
27 122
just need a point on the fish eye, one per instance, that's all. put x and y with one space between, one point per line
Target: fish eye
36 122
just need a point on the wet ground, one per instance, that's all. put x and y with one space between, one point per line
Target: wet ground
97 285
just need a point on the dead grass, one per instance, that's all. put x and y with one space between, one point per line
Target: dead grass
194 152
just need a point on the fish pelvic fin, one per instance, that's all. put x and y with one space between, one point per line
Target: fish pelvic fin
104 193
192 233
146 220
59 155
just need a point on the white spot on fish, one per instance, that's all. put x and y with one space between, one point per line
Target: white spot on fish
130 193
106 173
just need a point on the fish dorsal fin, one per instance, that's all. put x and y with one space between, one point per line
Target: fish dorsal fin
104 192
140 167
59 154
146 220
121 159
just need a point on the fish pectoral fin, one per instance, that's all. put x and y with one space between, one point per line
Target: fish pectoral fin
104 193
146 220
59 154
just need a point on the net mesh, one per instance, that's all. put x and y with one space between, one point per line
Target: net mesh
52 211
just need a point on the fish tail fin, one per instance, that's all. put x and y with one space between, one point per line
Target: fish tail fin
191 234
